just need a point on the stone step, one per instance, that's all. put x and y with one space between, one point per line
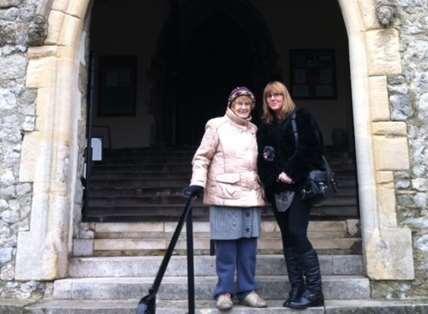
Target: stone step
132 246
100 171
152 214
126 215
127 183
162 307
189 155
206 235
142 166
180 160
168 176
175 167
208 307
147 266
176 201
175 288
350 227
148 238
162 182
154 193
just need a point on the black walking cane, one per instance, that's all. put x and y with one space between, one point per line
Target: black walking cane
147 304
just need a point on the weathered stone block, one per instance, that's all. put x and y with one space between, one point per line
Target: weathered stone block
9 3
30 152
389 254
12 67
420 184
5 254
55 22
386 198
368 8
379 103
383 52
391 153
74 8
41 72
64 29
8 33
42 52
83 247
389 128
401 107
7 100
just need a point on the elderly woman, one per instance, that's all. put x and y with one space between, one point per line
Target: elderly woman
225 165
283 166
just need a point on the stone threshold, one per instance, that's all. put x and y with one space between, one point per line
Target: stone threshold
12 306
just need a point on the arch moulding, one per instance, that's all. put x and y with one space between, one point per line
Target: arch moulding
49 154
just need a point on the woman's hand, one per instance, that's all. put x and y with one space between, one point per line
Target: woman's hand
284 178
193 191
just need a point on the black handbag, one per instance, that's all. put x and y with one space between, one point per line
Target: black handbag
320 183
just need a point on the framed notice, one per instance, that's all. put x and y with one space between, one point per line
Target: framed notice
117 85
313 74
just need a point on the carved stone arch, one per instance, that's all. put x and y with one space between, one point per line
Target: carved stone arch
49 156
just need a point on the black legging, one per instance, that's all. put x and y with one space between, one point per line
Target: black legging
293 224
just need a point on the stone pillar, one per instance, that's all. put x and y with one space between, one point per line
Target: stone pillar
48 152
374 54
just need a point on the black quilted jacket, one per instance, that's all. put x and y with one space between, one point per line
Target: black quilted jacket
278 151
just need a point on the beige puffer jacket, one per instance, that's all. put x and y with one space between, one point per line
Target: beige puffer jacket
225 163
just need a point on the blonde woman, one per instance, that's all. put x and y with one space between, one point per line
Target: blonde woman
225 166
283 167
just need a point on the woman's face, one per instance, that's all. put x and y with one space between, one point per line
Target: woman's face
275 101
242 106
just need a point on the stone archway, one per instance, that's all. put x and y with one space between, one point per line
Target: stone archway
50 154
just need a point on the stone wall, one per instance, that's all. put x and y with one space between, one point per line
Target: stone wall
17 116
408 95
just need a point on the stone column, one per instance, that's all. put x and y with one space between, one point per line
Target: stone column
48 152
381 147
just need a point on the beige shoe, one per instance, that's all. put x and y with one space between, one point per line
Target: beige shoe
254 300
224 302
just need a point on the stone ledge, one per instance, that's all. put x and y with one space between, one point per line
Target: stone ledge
417 306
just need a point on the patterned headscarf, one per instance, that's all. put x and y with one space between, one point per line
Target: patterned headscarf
238 92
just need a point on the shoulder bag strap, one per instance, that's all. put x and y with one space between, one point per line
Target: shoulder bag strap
296 138
294 127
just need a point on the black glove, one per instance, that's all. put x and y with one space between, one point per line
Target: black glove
193 191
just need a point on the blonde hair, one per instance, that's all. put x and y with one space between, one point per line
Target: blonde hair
288 104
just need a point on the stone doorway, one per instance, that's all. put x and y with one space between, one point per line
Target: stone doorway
182 74
42 252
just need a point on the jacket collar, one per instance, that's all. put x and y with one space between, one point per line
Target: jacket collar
235 119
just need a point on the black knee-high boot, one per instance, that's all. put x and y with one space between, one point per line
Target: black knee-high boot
295 275
313 295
